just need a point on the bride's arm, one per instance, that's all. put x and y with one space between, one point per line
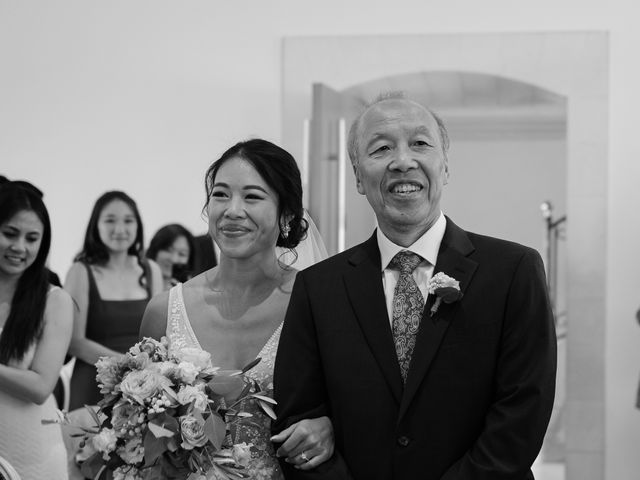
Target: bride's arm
307 443
36 383
154 320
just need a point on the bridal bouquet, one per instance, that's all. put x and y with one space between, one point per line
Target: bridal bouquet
168 415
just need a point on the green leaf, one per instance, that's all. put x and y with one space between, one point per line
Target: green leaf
265 398
174 466
92 465
245 390
159 431
267 408
166 420
93 415
153 472
251 365
171 393
215 429
198 416
172 444
233 472
220 473
242 414
193 463
154 446
104 474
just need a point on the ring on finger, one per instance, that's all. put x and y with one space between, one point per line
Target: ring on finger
303 457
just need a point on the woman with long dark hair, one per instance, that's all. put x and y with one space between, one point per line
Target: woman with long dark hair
35 328
111 283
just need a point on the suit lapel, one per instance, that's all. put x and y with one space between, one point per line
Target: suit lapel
452 260
363 283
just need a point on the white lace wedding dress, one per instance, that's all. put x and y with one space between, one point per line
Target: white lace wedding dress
255 430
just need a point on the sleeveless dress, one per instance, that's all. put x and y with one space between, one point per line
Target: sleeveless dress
36 451
255 430
112 323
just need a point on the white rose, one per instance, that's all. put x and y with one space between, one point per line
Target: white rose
241 453
189 393
105 441
188 372
166 369
196 356
192 432
141 384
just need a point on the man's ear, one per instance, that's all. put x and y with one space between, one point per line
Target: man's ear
446 171
358 182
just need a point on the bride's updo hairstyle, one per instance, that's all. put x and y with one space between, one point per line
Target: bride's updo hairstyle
280 171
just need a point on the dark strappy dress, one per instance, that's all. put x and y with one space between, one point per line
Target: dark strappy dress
112 323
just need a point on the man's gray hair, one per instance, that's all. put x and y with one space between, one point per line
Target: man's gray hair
352 139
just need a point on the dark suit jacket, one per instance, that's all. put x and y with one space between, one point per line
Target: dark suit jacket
480 389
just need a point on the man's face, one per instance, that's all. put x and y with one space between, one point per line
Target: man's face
401 166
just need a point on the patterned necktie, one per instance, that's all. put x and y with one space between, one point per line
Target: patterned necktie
408 306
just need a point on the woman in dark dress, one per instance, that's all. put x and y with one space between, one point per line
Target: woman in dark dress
111 284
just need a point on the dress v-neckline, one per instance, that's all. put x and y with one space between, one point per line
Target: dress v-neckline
192 333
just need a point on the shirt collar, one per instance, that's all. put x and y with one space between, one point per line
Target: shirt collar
426 246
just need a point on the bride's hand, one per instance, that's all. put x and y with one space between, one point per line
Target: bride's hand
307 443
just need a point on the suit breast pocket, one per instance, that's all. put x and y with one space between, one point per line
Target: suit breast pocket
466 362
469 330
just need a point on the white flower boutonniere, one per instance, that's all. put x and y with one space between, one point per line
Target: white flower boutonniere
445 288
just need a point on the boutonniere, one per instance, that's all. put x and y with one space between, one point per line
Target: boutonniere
445 288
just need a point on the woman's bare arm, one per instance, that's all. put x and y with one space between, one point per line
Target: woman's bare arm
36 383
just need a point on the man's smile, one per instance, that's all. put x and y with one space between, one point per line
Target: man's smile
404 187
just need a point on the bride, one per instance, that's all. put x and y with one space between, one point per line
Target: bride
235 310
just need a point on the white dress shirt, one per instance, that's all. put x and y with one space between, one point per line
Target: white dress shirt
426 246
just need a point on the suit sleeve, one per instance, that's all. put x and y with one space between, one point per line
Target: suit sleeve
524 383
299 383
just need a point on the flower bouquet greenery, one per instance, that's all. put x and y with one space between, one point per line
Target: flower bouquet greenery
167 415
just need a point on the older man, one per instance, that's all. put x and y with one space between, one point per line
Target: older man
432 349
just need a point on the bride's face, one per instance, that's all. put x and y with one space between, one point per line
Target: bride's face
243 211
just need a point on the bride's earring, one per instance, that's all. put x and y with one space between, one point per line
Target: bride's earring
285 229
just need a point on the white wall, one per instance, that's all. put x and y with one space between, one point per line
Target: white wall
496 187
142 95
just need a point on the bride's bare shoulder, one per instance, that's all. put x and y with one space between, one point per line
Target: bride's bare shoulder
195 289
200 281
